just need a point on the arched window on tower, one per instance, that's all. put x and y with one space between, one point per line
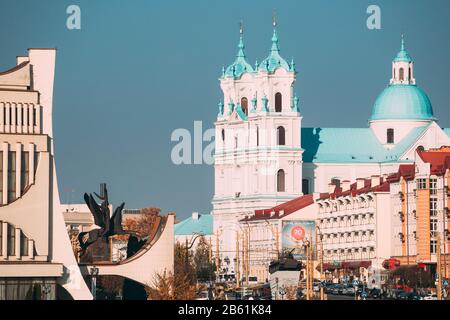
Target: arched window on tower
278 102
244 105
280 181
223 135
281 136
402 74
390 135
409 73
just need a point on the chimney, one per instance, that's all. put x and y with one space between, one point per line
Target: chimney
345 185
331 188
375 180
360 183
195 215
281 213
272 213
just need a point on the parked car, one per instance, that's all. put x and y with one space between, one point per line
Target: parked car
364 294
329 288
202 296
394 293
316 286
300 294
415 296
409 296
338 289
349 290
430 296
375 293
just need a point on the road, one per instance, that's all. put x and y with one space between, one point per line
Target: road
341 297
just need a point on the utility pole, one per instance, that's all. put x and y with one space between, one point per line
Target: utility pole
311 268
307 249
438 268
217 254
237 273
244 247
248 255
274 231
319 236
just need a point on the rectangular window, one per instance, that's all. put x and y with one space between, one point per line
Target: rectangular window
23 245
390 136
433 186
11 240
11 176
433 246
1 238
433 227
421 184
24 171
34 116
433 207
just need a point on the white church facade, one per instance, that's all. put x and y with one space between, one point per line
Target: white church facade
264 157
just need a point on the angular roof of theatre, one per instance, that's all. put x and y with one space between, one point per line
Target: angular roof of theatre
352 145
203 224
288 208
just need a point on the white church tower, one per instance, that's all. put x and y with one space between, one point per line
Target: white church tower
258 154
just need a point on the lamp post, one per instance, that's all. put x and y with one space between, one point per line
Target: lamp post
306 246
187 248
94 273
322 295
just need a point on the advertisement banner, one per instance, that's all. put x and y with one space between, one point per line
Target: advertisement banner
295 234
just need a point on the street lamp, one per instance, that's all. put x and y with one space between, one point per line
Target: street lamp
188 247
94 273
306 246
322 296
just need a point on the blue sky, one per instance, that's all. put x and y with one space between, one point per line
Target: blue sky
139 69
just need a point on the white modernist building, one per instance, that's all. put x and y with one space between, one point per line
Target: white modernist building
264 157
36 258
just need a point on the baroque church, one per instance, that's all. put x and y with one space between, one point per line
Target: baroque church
264 157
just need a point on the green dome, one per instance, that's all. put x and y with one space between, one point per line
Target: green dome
402 102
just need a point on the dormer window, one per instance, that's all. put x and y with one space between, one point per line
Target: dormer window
390 135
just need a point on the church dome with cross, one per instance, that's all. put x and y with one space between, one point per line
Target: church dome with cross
402 99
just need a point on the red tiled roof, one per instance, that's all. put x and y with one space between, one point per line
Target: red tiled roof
407 171
288 208
383 186
439 159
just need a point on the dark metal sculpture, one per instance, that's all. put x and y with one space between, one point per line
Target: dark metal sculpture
109 225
